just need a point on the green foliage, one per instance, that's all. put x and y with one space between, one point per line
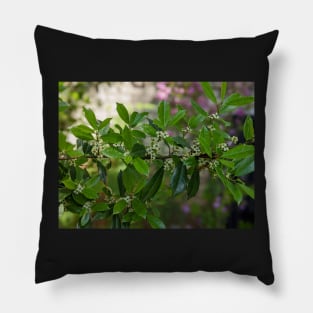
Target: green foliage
113 173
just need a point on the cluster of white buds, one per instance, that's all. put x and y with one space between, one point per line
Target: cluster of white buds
186 130
161 135
228 175
223 146
168 165
203 162
153 149
87 205
78 189
183 152
128 200
213 164
211 127
97 147
195 147
214 116
119 145
234 139
72 162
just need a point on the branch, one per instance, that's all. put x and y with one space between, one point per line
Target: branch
160 157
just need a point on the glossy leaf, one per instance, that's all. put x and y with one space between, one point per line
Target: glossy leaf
155 222
112 138
153 185
91 118
205 141
208 91
101 206
122 112
179 179
177 117
194 183
128 138
164 114
112 153
90 193
139 207
195 121
241 151
136 118
248 129
138 150
223 90
119 206
83 132
245 166
141 166
120 183
132 180
248 190
85 219
198 108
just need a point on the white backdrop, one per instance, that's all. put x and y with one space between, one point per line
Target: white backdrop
288 154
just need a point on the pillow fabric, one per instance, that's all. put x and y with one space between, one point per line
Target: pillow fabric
115 226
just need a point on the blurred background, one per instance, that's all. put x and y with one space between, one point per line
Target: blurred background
213 207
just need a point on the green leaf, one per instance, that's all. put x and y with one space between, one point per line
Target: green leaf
179 179
112 153
205 141
120 183
155 222
245 166
122 112
233 101
195 121
101 206
128 138
138 134
119 206
180 141
91 118
177 117
223 90
138 150
136 118
148 129
104 123
132 180
208 91
198 108
227 163
141 166
164 114
93 181
248 190
194 183
139 207
248 129
75 153
116 222
112 138
234 190
69 184
153 185
82 132
102 171
85 219
241 151
90 193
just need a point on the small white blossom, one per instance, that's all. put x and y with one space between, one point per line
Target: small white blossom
234 139
78 189
223 146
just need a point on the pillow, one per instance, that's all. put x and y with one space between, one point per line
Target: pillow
154 155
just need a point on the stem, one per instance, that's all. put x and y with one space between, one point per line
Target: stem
160 157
